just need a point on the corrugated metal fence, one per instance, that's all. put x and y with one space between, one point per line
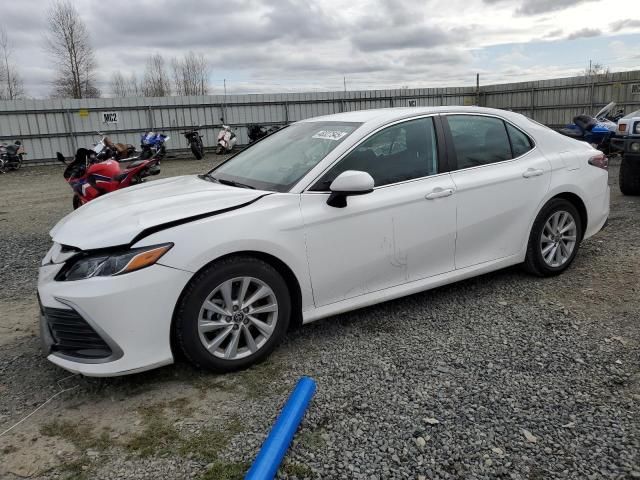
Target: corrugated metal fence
47 126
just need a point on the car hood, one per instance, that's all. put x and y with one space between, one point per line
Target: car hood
119 217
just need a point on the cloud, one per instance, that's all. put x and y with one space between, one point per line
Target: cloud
553 33
537 7
297 44
422 36
624 24
584 33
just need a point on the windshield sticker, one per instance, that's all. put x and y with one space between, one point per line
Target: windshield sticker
329 134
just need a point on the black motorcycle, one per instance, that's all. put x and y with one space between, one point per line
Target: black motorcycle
256 132
194 140
11 156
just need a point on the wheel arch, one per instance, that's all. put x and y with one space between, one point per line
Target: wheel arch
281 267
577 202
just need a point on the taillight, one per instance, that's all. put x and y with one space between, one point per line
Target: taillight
622 127
600 161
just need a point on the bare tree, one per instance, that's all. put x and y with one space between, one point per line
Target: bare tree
594 70
11 85
155 82
133 87
119 85
68 43
124 87
191 74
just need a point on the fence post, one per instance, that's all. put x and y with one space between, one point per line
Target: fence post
533 103
286 113
149 118
71 134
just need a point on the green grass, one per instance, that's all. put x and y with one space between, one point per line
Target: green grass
158 434
81 436
225 471
312 439
206 444
296 470
261 379
73 470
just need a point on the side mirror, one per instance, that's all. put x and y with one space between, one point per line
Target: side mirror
349 183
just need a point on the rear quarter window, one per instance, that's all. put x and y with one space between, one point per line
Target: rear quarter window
520 142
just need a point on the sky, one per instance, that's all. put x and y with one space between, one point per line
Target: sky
260 46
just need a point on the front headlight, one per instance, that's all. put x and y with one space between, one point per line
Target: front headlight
112 263
636 128
635 147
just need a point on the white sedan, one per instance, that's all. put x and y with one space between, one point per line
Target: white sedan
327 215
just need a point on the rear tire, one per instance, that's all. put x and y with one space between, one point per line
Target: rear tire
197 150
545 241
629 177
229 317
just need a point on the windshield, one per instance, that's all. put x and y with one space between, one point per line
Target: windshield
279 161
606 109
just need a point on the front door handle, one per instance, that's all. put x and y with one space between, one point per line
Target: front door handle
439 193
532 172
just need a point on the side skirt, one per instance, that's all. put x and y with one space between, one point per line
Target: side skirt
409 288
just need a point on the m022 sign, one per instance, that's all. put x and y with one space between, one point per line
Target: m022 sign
109 117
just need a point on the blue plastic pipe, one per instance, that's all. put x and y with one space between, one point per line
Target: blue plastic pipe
277 442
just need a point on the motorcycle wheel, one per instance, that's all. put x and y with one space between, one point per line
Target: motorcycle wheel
145 154
219 150
17 165
197 150
76 202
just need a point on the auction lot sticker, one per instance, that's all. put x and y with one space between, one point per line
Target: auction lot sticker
329 135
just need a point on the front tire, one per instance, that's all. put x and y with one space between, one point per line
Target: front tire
232 314
629 177
18 164
77 203
554 239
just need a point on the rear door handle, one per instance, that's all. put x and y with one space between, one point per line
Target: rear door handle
439 193
532 172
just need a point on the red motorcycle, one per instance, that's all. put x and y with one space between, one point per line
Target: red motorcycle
90 177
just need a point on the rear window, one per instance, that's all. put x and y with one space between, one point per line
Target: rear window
478 140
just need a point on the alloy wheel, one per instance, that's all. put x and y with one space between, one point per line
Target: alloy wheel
237 318
558 239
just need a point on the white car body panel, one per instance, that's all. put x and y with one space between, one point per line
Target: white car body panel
384 239
132 210
143 310
385 244
494 207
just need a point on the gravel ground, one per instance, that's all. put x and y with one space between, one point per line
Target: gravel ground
501 376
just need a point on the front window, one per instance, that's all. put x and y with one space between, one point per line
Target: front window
279 161
398 153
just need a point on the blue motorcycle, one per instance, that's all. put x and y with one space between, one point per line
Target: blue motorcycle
153 145
597 130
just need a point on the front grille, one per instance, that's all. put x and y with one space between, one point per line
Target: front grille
73 336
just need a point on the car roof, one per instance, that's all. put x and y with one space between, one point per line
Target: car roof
384 115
